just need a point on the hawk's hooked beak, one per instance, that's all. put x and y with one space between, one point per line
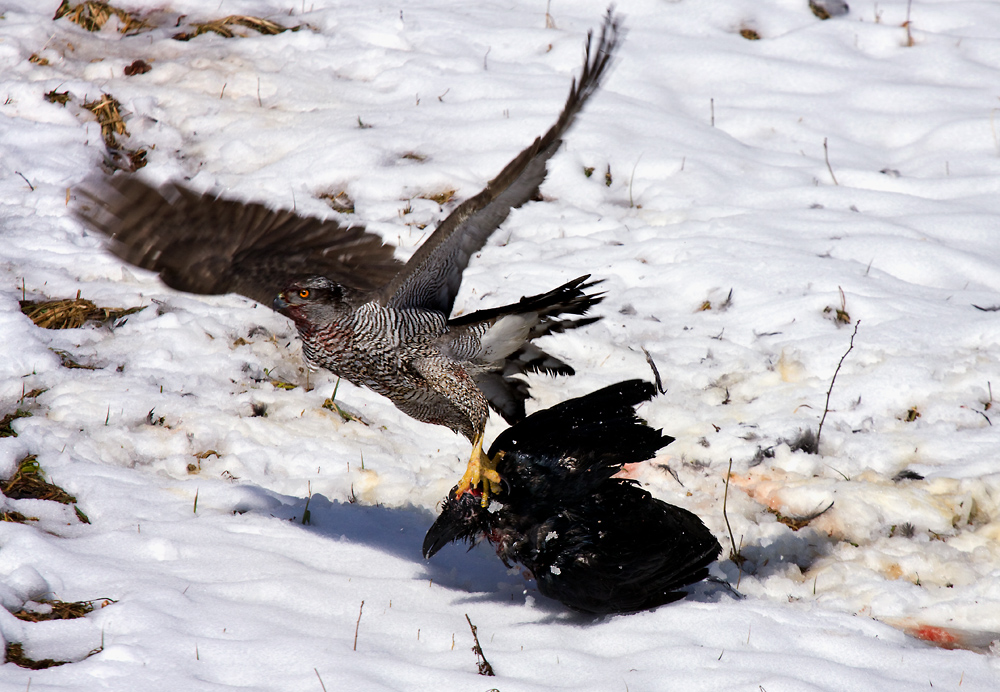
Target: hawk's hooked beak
280 304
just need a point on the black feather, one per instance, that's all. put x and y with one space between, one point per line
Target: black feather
597 543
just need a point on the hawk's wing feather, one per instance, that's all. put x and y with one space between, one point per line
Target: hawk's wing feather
204 244
201 243
432 276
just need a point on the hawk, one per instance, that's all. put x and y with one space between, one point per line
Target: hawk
359 312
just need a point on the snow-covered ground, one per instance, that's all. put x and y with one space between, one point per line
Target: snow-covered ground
727 244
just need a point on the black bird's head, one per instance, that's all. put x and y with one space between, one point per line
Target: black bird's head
461 519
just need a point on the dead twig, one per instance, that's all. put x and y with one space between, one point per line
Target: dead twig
734 553
826 406
484 666
656 374
32 187
358 625
826 156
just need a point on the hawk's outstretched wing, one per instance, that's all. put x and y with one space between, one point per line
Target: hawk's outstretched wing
205 244
200 243
433 274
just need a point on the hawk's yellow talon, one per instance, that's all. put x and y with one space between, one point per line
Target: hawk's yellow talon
481 471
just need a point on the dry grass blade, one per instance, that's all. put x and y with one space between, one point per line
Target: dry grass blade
107 110
263 26
224 27
442 198
56 610
108 113
340 202
6 430
60 97
58 314
15 655
796 523
347 416
734 553
15 517
68 361
71 313
93 15
819 10
281 384
28 483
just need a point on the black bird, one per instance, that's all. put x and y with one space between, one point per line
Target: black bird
597 543
360 313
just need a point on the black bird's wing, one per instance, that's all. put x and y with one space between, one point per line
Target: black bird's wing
621 551
432 276
204 244
564 452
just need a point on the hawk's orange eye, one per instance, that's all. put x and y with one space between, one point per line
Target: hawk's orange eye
304 293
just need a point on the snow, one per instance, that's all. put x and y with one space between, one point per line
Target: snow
717 147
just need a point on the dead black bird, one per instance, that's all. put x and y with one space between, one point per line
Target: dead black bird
597 543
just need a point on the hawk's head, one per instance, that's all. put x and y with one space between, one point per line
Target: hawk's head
311 301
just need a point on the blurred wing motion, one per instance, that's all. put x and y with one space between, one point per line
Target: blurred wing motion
209 245
206 244
596 543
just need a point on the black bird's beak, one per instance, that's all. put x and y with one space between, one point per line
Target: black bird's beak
460 519
437 537
280 304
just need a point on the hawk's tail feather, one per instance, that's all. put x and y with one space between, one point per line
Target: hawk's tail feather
569 299
504 389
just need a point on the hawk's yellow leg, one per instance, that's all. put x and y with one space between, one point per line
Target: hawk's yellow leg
481 469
